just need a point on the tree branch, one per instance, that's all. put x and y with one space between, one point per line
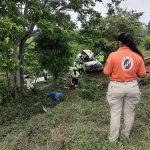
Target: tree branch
28 33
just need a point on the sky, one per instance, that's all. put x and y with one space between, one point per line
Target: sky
138 5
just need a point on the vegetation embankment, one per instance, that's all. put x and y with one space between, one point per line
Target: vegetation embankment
40 34
79 122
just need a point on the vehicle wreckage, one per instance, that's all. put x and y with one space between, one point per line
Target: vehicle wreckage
88 62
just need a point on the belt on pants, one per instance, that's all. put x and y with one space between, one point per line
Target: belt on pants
123 81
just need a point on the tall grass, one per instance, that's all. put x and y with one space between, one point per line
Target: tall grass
79 122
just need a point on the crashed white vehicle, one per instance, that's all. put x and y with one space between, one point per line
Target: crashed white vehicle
88 61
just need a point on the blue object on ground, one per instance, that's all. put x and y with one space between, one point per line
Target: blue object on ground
56 95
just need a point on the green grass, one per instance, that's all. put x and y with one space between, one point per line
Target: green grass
79 122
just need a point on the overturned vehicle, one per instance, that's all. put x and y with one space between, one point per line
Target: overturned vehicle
88 62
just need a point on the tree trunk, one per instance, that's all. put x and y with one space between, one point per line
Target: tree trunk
13 77
21 53
17 72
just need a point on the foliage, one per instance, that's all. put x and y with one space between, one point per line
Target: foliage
147 43
81 120
76 48
74 124
21 20
125 21
148 28
9 32
100 33
4 91
32 65
92 91
53 49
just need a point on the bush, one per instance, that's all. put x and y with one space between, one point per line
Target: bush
93 91
147 43
4 91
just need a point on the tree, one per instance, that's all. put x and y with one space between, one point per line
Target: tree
19 20
148 28
52 45
100 33
146 42
32 66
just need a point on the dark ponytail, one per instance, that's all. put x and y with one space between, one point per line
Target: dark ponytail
127 39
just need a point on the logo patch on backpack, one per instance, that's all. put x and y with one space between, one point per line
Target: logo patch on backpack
127 63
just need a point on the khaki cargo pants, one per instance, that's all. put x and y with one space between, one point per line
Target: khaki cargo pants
122 98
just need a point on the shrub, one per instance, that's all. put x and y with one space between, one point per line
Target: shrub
147 43
4 91
93 91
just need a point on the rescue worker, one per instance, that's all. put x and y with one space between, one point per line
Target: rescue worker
78 66
100 57
75 77
123 66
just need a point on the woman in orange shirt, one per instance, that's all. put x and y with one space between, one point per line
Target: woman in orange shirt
123 67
